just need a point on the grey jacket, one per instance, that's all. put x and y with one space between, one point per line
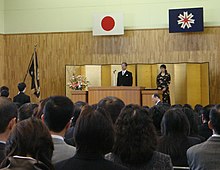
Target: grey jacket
205 156
62 151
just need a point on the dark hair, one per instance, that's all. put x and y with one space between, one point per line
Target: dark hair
124 64
8 111
198 108
30 137
94 132
112 105
4 93
157 113
174 129
187 106
135 136
215 118
193 120
78 107
4 88
26 111
58 111
206 110
39 111
156 95
163 66
21 86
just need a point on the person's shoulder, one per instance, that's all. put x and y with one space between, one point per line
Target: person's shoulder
64 164
161 157
111 165
193 140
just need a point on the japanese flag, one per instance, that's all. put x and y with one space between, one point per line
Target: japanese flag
108 24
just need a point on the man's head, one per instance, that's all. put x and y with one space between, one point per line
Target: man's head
4 88
155 98
58 112
21 87
8 114
205 112
4 93
124 65
214 122
112 105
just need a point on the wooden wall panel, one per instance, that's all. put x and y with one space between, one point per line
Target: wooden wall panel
2 49
55 50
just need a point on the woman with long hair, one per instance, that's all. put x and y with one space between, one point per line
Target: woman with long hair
136 141
175 138
29 147
163 82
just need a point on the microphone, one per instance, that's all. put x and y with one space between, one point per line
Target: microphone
114 71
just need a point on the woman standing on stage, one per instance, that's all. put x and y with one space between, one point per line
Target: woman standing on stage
163 82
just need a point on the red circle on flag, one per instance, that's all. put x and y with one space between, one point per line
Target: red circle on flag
108 23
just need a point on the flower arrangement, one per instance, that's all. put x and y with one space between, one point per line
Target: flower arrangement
78 83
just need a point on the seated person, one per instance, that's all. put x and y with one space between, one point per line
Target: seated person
136 141
26 111
175 138
94 137
29 147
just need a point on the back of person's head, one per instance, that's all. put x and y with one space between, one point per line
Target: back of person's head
4 88
206 111
215 119
4 93
175 123
8 111
21 86
94 132
157 113
26 111
58 112
112 105
78 107
31 138
135 136
198 108
188 106
39 111
156 95
193 120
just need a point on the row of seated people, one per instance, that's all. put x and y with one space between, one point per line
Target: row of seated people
57 134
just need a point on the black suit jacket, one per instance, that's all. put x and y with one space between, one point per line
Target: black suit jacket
124 80
88 161
204 131
21 99
2 152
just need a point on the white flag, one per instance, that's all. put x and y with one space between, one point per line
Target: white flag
108 24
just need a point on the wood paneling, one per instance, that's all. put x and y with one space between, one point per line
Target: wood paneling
55 50
2 64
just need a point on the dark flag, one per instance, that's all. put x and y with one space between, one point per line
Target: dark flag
34 73
186 20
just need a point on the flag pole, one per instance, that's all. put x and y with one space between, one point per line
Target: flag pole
25 77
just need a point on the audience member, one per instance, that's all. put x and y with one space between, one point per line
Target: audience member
26 111
156 99
204 128
21 98
112 105
8 113
69 134
4 93
136 141
39 111
58 112
174 140
2 88
94 137
157 113
193 122
206 155
29 147
198 108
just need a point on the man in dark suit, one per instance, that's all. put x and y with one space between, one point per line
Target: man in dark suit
206 155
156 99
21 98
8 112
124 77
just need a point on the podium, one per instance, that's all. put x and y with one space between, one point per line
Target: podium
130 95
147 96
79 95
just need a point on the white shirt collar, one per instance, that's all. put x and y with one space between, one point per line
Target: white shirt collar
23 157
57 137
2 142
123 72
157 102
216 135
